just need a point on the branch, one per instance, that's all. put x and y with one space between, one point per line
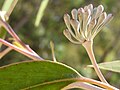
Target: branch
20 50
3 53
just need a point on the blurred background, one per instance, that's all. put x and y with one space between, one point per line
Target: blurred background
106 44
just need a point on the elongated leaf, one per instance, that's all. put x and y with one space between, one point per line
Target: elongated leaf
8 6
39 75
111 66
41 12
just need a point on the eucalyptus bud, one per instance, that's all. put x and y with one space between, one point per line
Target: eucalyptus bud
86 22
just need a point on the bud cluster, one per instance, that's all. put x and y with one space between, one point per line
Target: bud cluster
85 23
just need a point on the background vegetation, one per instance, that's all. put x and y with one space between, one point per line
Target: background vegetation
106 44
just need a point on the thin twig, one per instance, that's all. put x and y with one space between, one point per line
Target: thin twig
8 12
20 50
14 35
3 53
52 49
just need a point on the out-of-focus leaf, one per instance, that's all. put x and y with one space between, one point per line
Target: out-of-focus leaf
8 6
2 33
111 66
39 75
41 12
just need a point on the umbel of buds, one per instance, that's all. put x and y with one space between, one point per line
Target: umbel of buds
85 23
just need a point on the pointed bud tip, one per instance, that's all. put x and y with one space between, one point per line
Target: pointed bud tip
90 5
74 10
88 11
110 15
66 30
67 33
80 10
109 18
100 7
66 15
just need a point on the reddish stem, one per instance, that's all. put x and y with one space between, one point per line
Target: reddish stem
88 45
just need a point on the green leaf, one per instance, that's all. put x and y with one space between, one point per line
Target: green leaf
36 75
111 66
41 12
8 6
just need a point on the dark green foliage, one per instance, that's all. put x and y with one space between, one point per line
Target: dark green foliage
28 74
